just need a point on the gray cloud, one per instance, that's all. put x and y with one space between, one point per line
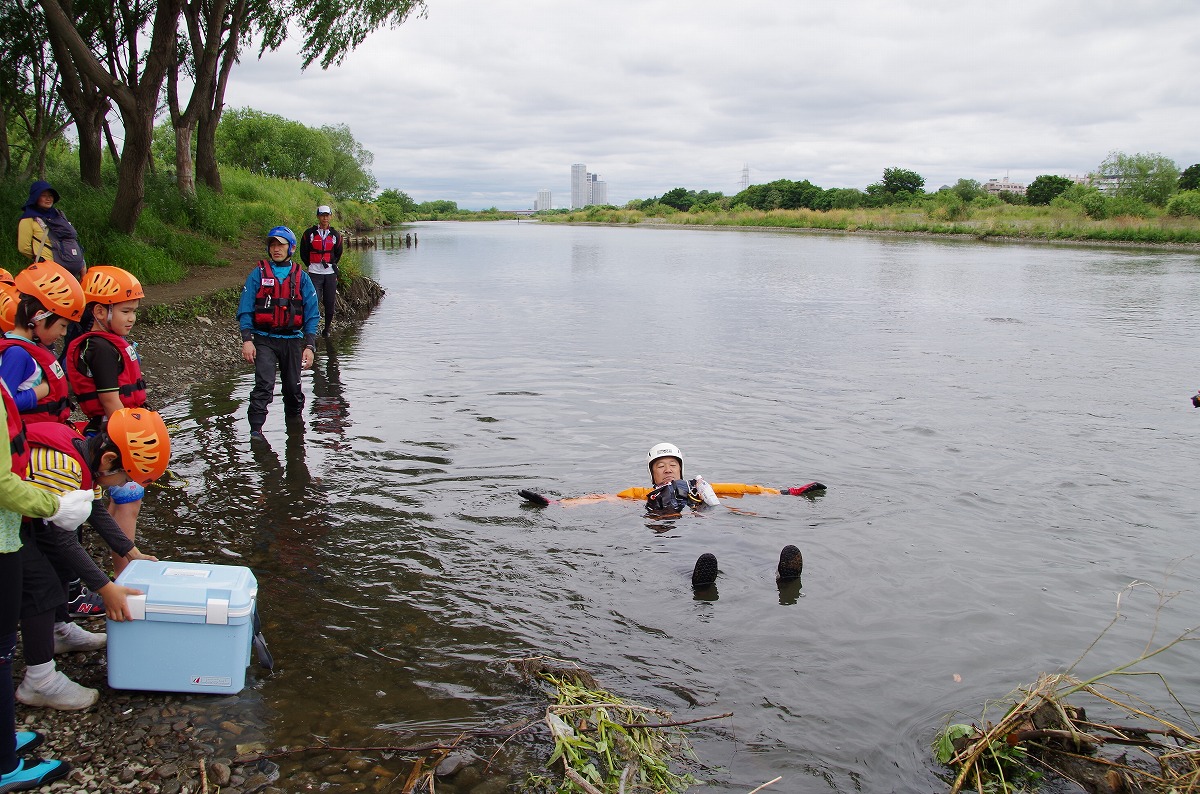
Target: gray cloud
484 103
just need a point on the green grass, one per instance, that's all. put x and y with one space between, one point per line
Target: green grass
1004 220
175 234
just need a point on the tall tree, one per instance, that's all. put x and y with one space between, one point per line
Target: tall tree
29 90
1190 178
132 78
1046 188
897 180
1151 178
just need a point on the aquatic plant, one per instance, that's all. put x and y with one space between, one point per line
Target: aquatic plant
1040 732
603 743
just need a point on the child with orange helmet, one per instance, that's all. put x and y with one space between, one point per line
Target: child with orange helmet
102 364
48 299
133 446
106 374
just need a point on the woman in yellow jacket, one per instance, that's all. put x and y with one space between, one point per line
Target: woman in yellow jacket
45 233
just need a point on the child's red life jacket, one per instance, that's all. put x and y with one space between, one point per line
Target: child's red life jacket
322 248
131 387
16 434
61 438
278 305
55 406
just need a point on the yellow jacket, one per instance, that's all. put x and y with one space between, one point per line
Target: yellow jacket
33 240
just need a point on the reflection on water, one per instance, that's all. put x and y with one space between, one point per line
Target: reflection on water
1004 429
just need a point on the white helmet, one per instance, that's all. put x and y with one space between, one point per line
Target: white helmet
664 450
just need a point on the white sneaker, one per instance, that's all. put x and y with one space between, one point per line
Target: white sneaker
59 692
70 637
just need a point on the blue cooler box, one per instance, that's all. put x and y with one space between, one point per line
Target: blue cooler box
191 630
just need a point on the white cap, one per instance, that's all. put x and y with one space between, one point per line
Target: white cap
324 210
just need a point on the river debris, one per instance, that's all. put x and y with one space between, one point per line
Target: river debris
604 744
1135 747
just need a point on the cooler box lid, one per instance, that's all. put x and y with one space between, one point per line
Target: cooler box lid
190 592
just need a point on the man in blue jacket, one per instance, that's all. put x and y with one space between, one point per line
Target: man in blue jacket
278 315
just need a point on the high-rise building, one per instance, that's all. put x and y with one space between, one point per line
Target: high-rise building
579 186
543 200
586 188
597 190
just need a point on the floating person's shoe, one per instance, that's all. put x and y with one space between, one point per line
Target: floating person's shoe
28 740
705 572
86 604
69 637
534 497
791 564
33 773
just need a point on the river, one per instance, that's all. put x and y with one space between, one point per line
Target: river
1004 430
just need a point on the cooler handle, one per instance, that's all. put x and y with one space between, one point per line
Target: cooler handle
137 606
217 611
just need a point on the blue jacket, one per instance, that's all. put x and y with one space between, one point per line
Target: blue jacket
312 311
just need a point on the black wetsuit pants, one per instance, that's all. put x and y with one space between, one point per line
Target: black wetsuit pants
271 353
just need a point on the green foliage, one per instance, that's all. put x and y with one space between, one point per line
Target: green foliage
948 206
1186 203
1045 188
901 180
268 144
333 29
1190 178
943 743
396 205
441 207
968 189
596 735
1150 178
1008 197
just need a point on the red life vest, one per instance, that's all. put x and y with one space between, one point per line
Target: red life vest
61 438
131 387
278 305
55 406
16 434
321 247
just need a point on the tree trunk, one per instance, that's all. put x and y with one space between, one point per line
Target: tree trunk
5 154
131 182
207 171
185 167
88 122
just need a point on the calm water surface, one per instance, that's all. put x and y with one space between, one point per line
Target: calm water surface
1004 430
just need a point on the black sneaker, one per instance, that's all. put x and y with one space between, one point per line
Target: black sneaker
705 572
86 604
791 563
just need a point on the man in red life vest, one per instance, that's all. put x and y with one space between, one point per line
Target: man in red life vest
320 251
278 317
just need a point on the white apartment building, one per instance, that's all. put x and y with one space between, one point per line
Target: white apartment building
542 202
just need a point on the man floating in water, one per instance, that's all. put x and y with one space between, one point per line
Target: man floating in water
670 495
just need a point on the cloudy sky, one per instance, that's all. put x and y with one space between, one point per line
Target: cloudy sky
485 102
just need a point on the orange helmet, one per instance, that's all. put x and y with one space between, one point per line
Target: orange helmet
141 437
108 284
9 298
5 277
54 287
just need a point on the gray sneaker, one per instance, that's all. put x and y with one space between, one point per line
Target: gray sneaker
59 693
70 637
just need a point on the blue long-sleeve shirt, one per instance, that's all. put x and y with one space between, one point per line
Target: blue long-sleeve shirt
20 374
312 311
